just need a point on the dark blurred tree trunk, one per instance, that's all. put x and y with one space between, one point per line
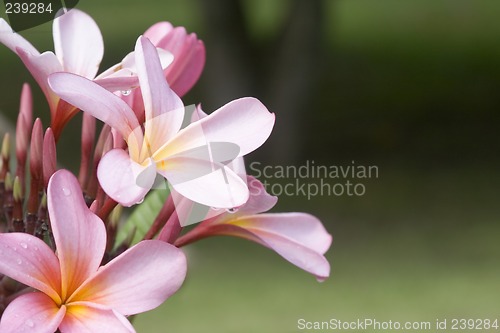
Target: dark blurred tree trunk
283 72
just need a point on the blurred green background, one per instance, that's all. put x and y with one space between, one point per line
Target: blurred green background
410 86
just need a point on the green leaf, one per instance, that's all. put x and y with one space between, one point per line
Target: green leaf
142 217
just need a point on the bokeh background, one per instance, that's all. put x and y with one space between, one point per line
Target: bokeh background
411 86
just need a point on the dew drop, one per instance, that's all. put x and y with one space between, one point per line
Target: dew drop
126 92
232 210
36 248
66 191
30 323
19 261
24 245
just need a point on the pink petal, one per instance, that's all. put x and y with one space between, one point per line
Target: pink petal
259 201
124 180
85 318
189 59
79 234
78 43
92 98
118 83
41 66
158 31
209 183
164 109
138 280
13 40
33 312
244 122
302 228
299 238
30 261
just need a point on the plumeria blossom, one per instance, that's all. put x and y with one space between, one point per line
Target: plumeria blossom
300 238
79 49
73 293
189 158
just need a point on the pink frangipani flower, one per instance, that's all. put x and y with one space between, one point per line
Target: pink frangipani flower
300 238
78 48
184 157
73 293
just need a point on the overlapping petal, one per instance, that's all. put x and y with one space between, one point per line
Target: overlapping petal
41 66
164 110
159 270
124 180
80 255
33 312
30 261
78 43
209 183
94 99
244 122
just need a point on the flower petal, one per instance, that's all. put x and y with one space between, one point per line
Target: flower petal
302 228
94 99
138 280
259 201
157 31
13 40
41 66
189 59
118 83
164 109
78 43
29 260
34 312
244 122
299 238
209 183
124 180
84 318
80 235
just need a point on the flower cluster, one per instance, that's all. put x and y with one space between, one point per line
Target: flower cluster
63 266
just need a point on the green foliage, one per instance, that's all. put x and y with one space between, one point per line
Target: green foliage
142 217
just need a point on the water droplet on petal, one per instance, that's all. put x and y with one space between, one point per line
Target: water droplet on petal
19 261
36 248
30 323
232 210
126 92
24 245
66 191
